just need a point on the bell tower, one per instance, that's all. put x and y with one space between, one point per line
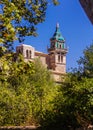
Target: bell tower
57 53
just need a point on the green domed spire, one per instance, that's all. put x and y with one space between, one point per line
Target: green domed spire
57 35
57 40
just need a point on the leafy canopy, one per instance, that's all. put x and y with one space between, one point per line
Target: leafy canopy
86 62
18 18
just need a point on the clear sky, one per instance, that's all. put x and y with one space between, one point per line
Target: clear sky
74 25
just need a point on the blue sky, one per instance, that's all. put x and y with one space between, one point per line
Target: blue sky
74 25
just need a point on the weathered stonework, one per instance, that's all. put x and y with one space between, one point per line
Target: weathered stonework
55 60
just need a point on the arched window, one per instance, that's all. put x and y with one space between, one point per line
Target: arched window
61 58
53 44
26 53
30 53
19 51
58 58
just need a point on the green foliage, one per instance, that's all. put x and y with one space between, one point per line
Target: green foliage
26 91
86 62
28 94
55 2
78 101
14 106
73 106
43 90
19 19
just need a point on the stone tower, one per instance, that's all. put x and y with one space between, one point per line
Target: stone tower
57 54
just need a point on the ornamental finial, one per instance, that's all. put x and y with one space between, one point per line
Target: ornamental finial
57 25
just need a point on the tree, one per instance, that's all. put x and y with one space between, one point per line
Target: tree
26 88
73 106
74 103
27 92
43 90
19 19
78 101
86 62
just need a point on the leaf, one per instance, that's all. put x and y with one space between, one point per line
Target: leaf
1 40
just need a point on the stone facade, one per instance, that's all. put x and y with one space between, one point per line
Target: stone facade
88 7
55 60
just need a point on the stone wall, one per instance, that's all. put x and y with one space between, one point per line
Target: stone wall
20 128
90 127
37 128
